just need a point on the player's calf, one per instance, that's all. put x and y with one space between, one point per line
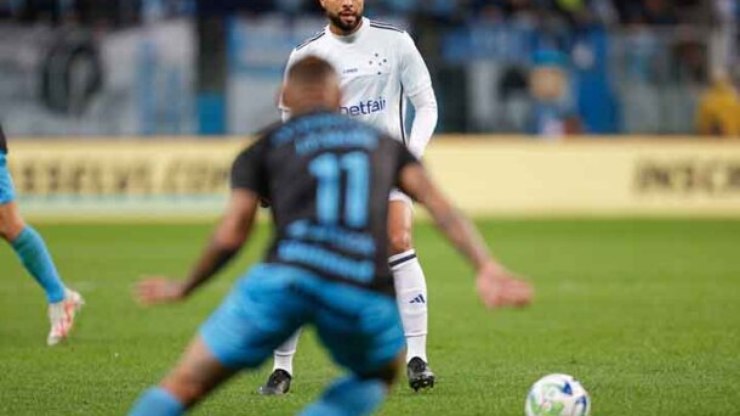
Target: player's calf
33 253
356 394
197 373
157 401
411 297
349 396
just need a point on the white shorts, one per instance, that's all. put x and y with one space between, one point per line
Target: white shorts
397 195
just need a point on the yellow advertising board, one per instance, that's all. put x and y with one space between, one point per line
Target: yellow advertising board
97 178
617 176
484 175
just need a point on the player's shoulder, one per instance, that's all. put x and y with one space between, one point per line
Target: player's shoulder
274 135
389 34
310 41
262 138
269 130
387 28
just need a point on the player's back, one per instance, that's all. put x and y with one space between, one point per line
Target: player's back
327 178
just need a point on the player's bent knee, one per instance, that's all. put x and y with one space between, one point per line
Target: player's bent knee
11 224
400 241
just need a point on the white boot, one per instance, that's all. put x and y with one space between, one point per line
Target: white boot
62 316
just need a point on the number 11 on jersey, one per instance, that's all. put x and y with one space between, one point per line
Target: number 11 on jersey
328 169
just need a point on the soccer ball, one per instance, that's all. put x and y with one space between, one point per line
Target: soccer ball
557 395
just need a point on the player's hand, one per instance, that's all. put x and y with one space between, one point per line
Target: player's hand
157 289
498 288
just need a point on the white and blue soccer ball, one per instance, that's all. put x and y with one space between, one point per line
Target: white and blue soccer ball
557 395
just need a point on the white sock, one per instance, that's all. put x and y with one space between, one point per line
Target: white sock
416 347
411 296
283 355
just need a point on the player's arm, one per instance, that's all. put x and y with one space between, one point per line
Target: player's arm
425 121
224 244
248 183
227 240
456 227
497 286
417 83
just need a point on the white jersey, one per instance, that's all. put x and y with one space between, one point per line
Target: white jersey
379 67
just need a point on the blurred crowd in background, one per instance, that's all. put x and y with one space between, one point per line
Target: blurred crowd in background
550 68
573 12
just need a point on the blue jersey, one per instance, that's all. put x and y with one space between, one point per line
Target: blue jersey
327 178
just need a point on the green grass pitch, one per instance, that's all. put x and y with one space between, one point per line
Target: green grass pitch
645 313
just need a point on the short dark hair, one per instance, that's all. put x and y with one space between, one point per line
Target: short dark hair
311 69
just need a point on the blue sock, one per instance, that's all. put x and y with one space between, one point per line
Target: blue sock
157 401
31 249
349 396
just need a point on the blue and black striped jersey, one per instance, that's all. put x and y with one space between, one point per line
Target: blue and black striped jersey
327 178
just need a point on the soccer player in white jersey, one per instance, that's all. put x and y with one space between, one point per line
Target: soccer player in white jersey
380 68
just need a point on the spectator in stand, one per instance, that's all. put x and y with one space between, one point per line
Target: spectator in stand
719 108
403 7
553 113
659 12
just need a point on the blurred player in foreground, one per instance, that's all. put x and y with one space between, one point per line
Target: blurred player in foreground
31 250
380 68
327 178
